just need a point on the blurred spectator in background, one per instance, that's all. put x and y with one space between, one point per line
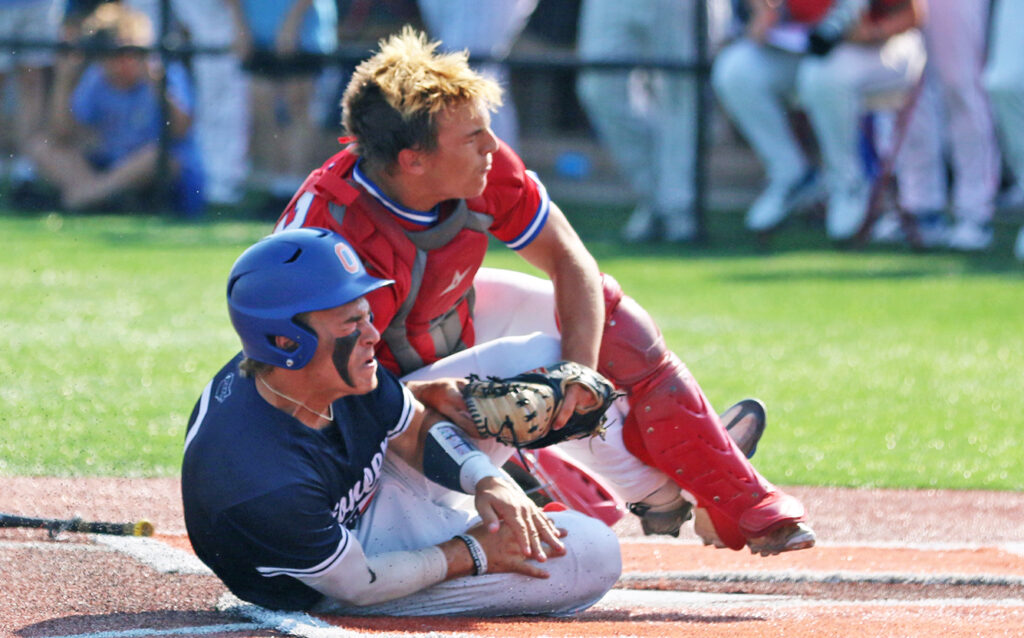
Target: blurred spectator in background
1004 80
645 117
488 29
222 94
755 79
28 68
107 119
282 43
951 111
858 48
852 49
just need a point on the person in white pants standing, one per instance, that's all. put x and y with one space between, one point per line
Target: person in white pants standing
876 49
645 118
1004 80
754 79
31 20
883 52
952 106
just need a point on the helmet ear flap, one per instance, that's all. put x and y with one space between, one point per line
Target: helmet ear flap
297 348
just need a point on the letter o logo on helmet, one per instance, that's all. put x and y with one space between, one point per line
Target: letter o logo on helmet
348 259
283 275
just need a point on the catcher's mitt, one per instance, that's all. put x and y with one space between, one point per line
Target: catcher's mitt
520 410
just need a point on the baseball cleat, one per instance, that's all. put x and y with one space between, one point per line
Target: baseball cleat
788 538
780 198
745 423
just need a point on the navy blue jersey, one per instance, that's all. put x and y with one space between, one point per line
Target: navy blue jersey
267 497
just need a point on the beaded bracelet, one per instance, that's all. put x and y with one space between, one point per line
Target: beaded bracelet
476 552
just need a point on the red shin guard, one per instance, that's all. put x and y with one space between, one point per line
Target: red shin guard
671 426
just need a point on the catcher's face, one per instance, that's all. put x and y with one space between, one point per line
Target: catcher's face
345 349
460 163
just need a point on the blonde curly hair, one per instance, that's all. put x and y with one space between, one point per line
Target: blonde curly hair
393 98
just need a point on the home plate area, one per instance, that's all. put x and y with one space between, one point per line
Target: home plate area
827 591
913 584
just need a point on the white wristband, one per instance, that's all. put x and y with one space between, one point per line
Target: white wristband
476 468
451 459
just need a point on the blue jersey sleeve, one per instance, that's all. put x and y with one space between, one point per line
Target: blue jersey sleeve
396 405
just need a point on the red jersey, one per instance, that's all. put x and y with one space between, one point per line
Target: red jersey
432 256
810 11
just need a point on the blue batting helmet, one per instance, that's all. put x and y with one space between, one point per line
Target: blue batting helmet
286 274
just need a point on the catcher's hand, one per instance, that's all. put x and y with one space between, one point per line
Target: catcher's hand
521 410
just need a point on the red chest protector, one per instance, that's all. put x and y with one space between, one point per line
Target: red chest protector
427 314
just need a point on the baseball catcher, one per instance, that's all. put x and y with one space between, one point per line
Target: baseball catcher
420 188
521 410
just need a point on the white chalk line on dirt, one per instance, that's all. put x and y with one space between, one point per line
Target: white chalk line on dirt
166 559
1013 547
634 599
189 631
303 625
156 554
170 560
823 577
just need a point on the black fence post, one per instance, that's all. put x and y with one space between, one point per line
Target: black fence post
702 120
163 181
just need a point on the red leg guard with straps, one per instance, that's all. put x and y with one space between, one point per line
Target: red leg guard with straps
671 426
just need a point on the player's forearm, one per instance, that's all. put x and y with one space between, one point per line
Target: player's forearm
367 580
363 580
580 305
399 574
579 300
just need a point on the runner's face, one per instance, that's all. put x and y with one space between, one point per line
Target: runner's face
345 349
462 159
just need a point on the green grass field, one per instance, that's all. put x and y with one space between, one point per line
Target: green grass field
879 368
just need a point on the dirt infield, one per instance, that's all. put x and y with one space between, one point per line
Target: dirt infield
889 563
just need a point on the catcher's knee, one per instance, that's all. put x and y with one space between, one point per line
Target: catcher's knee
632 347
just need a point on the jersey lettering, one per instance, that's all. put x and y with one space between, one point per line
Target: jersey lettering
358 496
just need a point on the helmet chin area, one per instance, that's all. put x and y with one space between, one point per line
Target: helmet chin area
343 347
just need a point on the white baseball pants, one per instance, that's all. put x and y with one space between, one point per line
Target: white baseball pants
1004 79
953 110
